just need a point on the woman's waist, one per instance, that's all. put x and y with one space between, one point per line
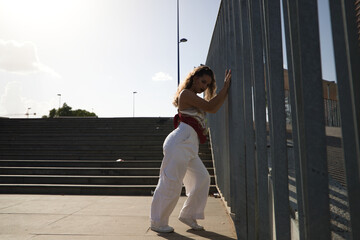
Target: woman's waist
184 133
187 128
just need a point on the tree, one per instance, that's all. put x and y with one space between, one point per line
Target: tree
66 111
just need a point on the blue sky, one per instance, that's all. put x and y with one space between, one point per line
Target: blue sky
96 53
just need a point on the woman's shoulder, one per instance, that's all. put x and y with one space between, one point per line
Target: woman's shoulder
186 92
186 95
185 99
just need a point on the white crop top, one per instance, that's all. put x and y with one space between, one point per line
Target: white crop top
195 113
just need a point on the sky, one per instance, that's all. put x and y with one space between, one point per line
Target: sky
97 53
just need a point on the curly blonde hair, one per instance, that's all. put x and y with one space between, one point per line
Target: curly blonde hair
187 83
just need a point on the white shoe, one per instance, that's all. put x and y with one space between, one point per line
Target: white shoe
191 223
162 229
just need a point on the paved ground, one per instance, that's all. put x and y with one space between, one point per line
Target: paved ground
53 217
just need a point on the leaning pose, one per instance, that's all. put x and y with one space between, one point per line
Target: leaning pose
181 163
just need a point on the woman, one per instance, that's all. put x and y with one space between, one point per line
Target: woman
181 163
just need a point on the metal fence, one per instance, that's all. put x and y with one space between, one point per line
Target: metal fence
331 107
252 155
332 113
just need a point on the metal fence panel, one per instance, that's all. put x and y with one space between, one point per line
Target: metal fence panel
249 128
290 16
236 121
311 127
261 161
347 61
247 39
275 87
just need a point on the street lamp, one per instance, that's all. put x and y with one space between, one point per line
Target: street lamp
27 112
178 42
134 103
59 99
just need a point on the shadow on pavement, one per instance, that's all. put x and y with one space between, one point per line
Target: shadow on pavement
205 234
174 236
210 235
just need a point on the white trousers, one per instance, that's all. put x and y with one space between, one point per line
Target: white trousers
181 164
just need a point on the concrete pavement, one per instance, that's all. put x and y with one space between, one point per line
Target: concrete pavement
58 217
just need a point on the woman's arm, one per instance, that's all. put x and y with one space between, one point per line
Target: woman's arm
190 99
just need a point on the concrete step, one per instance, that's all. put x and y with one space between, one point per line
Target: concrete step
93 147
80 171
125 190
70 147
81 122
77 131
75 155
91 119
80 141
82 180
99 123
90 152
85 163
78 156
88 135
83 171
84 157
15 143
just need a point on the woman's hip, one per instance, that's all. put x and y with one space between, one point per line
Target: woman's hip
183 137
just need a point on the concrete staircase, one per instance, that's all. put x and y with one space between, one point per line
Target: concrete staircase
93 156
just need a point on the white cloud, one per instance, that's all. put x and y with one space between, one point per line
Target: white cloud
13 104
21 58
161 76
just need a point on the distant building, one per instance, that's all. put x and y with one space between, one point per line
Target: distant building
330 95
329 87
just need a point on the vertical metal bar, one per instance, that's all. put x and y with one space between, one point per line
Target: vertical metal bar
249 127
236 102
220 114
209 118
218 141
236 135
264 20
228 51
311 127
262 170
277 121
223 109
347 62
231 112
214 59
293 70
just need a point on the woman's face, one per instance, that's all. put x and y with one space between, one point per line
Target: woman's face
201 83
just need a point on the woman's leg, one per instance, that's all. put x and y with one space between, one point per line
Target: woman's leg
169 187
197 183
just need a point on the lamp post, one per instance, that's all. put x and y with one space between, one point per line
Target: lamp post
58 111
134 103
59 99
178 43
28 112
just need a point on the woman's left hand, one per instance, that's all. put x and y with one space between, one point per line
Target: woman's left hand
227 78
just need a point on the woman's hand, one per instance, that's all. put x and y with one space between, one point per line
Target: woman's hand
227 78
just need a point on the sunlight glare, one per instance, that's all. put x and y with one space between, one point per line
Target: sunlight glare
39 12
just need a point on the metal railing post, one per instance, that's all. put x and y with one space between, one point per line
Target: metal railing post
347 62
